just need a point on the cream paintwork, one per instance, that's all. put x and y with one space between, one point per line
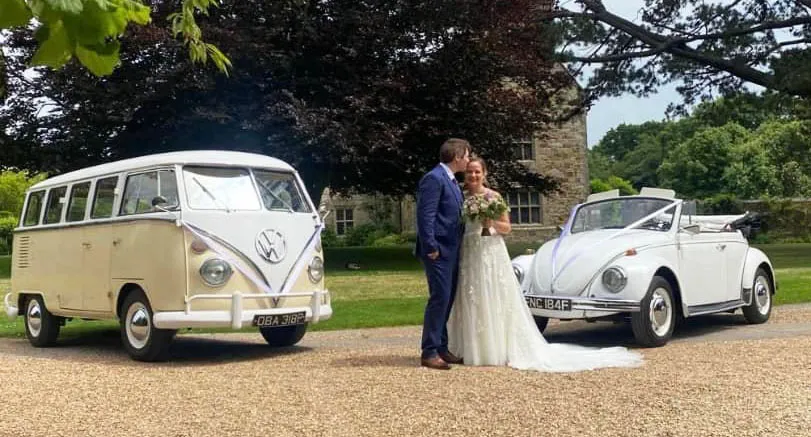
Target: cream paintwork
81 269
710 268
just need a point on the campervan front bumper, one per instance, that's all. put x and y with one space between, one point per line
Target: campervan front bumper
318 309
11 311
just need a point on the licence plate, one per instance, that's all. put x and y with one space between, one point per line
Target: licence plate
266 320
549 303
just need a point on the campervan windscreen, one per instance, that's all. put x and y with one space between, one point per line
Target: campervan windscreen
235 189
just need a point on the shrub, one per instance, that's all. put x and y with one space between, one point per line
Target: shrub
330 239
388 241
7 225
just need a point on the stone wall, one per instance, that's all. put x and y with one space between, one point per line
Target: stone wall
560 152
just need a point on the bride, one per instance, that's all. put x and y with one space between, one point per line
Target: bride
490 324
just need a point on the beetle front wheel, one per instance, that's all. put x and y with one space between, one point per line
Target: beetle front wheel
653 324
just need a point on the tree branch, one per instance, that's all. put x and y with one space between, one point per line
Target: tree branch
678 47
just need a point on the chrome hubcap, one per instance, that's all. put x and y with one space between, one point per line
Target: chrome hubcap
763 296
34 317
660 311
138 325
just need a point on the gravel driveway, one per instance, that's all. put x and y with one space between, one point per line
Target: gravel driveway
718 378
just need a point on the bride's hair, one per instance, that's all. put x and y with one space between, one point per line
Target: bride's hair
481 162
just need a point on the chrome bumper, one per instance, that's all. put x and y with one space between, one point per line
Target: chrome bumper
236 316
590 304
11 311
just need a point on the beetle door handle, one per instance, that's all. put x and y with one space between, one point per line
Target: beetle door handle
720 246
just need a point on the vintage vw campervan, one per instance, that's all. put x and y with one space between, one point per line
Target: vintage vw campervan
171 241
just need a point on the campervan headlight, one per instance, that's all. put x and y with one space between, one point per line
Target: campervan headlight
614 279
316 270
215 272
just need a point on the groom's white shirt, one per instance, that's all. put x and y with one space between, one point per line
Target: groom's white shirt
448 171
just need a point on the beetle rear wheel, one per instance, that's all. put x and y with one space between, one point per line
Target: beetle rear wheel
653 324
761 307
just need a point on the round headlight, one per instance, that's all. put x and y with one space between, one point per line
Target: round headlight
215 272
519 273
316 270
614 279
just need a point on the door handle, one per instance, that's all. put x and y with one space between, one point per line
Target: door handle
116 242
87 245
721 246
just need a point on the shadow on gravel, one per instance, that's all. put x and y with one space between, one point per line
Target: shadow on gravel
606 334
105 345
379 361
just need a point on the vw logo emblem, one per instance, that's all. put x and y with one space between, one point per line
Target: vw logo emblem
271 245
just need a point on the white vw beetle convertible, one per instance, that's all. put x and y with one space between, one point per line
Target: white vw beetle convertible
649 258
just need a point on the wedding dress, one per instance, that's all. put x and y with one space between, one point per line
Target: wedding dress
490 324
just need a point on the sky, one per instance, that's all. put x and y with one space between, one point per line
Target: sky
608 113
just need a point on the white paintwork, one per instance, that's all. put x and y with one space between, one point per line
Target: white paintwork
710 268
236 318
657 192
196 157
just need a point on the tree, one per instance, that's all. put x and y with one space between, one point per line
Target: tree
695 167
90 30
356 95
610 183
708 46
775 162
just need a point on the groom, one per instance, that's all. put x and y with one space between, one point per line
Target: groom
439 234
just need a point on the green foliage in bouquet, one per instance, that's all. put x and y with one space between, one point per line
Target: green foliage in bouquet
487 206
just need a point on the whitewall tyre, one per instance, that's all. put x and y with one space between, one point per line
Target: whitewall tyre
653 325
41 327
141 339
761 307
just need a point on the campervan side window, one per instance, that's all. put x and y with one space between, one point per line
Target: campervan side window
33 209
104 198
143 187
56 201
78 202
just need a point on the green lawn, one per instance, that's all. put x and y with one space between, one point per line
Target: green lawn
390 289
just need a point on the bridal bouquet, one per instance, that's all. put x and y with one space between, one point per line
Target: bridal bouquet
487 206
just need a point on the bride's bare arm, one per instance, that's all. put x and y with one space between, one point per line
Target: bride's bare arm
502 225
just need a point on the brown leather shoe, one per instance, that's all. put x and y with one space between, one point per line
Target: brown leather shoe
450 358
435 363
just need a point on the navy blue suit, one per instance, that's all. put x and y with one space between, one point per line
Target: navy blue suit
439 227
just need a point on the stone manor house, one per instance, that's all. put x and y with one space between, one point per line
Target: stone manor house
560 153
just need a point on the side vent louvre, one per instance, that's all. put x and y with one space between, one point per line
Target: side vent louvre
23 252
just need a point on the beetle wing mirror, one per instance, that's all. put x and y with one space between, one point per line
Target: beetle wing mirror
691 229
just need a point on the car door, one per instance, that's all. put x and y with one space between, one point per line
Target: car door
702 268
735 252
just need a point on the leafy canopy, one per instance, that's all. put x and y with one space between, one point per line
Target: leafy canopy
90 30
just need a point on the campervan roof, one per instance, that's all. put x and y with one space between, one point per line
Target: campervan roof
197 157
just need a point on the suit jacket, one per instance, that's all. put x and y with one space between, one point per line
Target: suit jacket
439 206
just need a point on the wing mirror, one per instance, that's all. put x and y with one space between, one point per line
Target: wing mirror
158 201
691 229
324 212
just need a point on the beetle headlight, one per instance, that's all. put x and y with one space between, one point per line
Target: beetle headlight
614 279
519 273
215 272
316 270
